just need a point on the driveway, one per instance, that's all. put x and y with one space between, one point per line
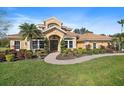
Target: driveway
51 58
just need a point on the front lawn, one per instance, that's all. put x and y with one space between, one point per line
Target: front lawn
101 71
3 48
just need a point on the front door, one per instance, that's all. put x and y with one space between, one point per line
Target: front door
53 45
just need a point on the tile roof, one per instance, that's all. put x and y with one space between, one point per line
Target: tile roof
80 37
92 36
14 36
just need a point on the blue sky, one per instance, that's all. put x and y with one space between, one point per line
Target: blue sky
100 20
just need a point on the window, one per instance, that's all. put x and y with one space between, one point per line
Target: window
66 44
34 44
41 44
17 44
52 24
94 45
70 44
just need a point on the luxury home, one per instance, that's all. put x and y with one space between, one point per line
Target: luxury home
55 31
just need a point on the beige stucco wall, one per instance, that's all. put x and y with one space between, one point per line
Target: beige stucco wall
52 20
98 44
23 44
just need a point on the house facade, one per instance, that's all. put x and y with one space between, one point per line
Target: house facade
55 32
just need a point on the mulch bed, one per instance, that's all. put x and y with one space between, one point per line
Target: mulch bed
60 57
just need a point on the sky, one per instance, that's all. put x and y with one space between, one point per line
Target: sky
100 20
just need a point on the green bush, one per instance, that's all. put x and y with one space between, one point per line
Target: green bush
21 54
89 52
28 54
75 52
62 46
2 56
96 51
84 51
9 57
41 53
67 52
102 51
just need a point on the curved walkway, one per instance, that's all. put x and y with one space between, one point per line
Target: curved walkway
51 58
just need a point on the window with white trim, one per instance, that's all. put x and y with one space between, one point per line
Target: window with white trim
41 44
37 44
34 44
94 45
17 44
69 43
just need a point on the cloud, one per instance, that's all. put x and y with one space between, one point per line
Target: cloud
99 24
20 19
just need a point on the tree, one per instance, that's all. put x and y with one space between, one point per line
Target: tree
4 23
29 31
118 40
121 22
62 45
119 36
4 42
77 30
46 44
82 30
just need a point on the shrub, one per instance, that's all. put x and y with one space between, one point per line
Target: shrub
102 47
75 52
80 51
22 51
89 52
67 52
62 46
2 56
21 54
109 50
9 57
7 51
41 53
84 51
28 54
46 44
96 51
102 51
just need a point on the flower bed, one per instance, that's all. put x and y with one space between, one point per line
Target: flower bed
13 55
75 53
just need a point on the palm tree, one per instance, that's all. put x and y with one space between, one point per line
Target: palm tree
29 31
119 36
121 22
118 40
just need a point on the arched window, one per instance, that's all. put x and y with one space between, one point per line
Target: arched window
52 24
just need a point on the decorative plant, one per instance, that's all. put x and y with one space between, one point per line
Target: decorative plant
2 56
46 44
9 57
62 45
41 53
28 54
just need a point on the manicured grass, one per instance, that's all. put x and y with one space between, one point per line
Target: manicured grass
3 48
101 71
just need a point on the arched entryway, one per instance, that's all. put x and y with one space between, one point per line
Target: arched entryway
54 43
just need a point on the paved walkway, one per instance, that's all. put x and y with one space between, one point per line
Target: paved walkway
51 58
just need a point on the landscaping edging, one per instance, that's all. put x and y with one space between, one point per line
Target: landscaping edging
51 58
